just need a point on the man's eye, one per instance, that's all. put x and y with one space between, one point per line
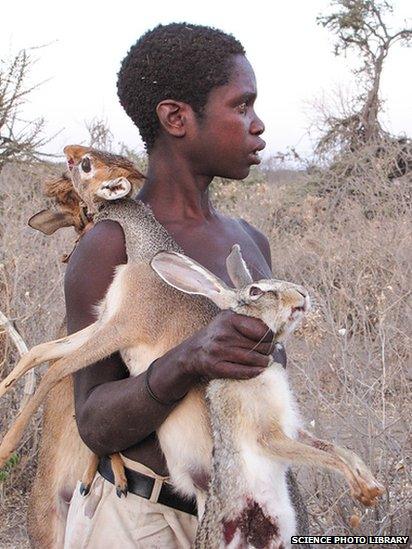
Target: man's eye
243 108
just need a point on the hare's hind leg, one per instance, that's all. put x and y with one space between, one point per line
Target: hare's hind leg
89 474
44 352
102 343
312 451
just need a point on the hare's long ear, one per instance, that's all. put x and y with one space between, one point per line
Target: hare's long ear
237 268
190 277
48 221
114 188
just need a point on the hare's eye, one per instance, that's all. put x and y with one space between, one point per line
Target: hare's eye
86 165
256 292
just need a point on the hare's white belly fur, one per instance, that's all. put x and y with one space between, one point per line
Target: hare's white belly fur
265 481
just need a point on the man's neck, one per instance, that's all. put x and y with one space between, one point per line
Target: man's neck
174 192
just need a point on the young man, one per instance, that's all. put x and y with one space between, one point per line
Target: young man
191 91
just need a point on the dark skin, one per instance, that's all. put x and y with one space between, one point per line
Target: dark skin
114 411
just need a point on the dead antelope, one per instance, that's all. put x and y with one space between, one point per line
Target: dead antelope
63 457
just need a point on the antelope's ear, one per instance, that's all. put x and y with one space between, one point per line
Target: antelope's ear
48 222
114 189
237 268
190 277
136 179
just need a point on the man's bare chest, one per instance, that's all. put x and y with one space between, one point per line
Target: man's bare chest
210 244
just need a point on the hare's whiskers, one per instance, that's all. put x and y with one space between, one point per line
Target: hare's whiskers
260 340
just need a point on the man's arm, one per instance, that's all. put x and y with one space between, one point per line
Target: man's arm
261 241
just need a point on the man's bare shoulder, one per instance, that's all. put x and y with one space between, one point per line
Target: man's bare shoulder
102 244
91 268
261 240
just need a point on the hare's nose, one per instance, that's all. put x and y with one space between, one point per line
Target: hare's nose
307 304
306 300
302 291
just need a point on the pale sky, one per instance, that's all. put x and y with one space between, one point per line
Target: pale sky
291 55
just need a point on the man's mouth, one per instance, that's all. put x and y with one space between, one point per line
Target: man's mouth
254 157
254 154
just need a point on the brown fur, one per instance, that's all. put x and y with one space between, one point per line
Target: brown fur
62 460
61 191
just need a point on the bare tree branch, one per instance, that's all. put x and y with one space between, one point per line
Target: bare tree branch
19 139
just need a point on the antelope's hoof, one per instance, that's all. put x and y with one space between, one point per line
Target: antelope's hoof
84 489
121 490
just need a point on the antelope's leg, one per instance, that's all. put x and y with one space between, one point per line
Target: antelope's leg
312 451
120 479
102 343
44 352
89 474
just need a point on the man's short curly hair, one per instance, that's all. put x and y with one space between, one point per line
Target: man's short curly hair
178 61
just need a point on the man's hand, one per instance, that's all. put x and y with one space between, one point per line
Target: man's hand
232 346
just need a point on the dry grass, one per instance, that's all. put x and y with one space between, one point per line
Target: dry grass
349 240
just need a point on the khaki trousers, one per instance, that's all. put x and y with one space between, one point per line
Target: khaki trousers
102 520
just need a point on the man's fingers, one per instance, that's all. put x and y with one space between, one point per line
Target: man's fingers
231 370
251 345
252 328
248 358
264 348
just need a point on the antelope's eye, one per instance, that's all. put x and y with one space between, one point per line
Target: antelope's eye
86 165
254 291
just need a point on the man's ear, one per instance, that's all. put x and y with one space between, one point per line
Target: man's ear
174 116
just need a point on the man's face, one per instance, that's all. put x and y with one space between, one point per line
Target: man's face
226 139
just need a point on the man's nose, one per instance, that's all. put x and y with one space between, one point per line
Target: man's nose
257 127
